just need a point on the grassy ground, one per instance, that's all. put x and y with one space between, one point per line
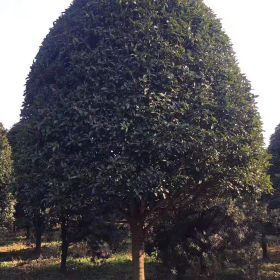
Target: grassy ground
271 269
18 262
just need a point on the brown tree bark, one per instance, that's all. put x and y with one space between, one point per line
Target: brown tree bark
38 236
39 229
138 253
65 245
264 247
27 232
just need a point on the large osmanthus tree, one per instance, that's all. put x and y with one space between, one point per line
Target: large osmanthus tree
6 199
143 105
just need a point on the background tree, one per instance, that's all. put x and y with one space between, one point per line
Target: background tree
205 241
142 103
271 224
6 199
28 186
22 220
274 169
37 189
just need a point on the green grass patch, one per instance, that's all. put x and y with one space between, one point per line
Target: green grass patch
18 262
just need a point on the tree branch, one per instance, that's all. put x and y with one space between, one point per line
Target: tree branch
122 212
118 222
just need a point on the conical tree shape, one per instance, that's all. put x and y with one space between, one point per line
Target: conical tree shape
144 102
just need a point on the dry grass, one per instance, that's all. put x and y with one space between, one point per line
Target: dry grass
18 262
271 268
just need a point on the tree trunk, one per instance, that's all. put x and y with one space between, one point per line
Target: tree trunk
39 229
264 247
64 247
203 266
38 236
181 272
14 227
27 232
138 254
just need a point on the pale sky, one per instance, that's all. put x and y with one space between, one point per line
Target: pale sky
252 25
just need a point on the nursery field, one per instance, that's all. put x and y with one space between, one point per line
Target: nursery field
19 262
138 133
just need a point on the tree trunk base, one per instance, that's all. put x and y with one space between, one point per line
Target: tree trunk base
264 247
138 253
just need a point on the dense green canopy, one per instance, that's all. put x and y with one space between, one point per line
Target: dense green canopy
148 96
143 103
29 185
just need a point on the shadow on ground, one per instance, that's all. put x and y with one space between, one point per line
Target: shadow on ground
28 254
19 262
78 270
23 254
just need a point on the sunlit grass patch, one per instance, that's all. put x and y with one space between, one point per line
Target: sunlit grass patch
119 258
15 246
274 248
271 271
11 264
